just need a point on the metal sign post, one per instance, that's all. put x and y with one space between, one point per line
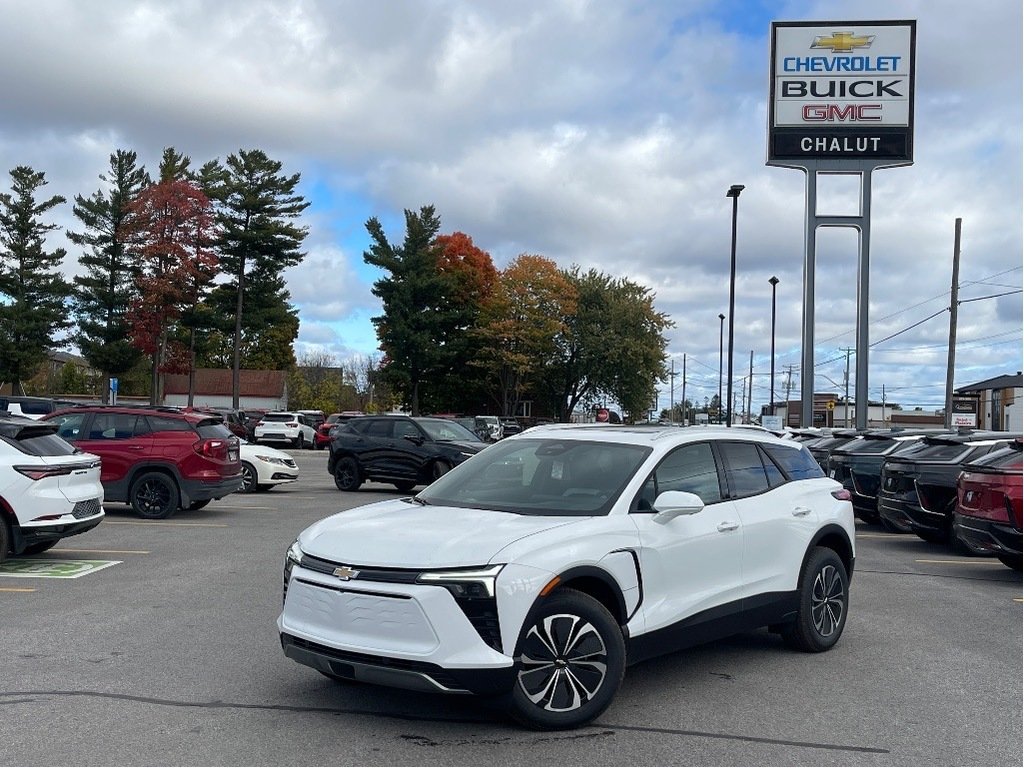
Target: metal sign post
842 102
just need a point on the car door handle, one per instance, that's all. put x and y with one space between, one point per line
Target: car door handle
727 525
801 512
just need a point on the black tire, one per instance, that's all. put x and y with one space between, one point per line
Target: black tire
574 684
5 539
249 484
154 496
195 505
39 547
824 594
405 487
439 468
934 537
346 474
300 441
1011 561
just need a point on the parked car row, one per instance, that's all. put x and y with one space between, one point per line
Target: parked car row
57 471
915 482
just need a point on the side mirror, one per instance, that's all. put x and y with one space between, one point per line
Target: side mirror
672 504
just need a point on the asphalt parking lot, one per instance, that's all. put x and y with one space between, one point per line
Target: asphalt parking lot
168 655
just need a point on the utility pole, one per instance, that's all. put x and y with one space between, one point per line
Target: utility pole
954 302
846 398
672 393
743 400
750 389
883 405
789 386
684 390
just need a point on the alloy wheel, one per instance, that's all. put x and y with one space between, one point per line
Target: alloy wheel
827 602
563 664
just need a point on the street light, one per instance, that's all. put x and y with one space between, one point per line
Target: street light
774 281
734 193
721 331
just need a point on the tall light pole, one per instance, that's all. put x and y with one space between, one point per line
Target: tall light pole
721 333
734 193
774 281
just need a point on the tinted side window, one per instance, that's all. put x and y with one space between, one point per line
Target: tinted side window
70 425
112 426
744 469
796 462
689 468
379 428
775 476
167 424
406 429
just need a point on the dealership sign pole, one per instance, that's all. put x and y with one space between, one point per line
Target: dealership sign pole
841 103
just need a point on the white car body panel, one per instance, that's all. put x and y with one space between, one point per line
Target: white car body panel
268 462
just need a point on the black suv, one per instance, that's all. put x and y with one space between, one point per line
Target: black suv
918 488
824 445
857 464
402 450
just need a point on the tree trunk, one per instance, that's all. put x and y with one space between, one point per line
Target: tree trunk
237 363
191 366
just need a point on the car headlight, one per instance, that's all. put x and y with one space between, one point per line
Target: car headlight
271 460
291 558
474 582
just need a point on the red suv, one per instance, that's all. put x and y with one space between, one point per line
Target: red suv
159 460
989 500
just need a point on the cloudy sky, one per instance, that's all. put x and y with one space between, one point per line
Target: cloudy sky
602 133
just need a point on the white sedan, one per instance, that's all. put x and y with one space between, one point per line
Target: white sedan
264 467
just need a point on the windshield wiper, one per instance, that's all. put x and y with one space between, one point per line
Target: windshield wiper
418 500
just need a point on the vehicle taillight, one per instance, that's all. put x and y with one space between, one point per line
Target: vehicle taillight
842 494
291 424
38 473
211 447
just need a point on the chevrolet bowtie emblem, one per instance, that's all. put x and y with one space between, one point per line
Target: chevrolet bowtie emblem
843 42
345 573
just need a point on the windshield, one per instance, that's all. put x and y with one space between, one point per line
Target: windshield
445 429
869 446
541 477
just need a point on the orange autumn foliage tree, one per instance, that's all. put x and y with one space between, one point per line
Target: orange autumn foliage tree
170 226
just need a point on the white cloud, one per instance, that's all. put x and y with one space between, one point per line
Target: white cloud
598 133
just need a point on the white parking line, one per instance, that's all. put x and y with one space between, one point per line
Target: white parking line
979 561
886 535
17 589
102 551
158 522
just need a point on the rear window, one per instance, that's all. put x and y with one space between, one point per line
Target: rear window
280 417
869 446
37 407
1003 458
796 462
41 443
213 429
168 424
942 452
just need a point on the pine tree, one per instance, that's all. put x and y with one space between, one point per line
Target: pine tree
256 208
33 310
103 293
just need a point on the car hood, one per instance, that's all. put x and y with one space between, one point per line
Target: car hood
403 534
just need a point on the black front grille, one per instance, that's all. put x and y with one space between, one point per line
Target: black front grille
387 662
87 508
482 613
390 575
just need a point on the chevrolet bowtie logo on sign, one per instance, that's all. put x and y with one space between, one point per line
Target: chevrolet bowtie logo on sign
345 573
842 42
842 90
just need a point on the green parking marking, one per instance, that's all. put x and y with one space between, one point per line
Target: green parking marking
53 569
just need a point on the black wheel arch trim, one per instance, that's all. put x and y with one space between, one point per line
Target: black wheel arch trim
566 578
833 531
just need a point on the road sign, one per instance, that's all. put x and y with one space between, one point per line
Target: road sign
831 405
